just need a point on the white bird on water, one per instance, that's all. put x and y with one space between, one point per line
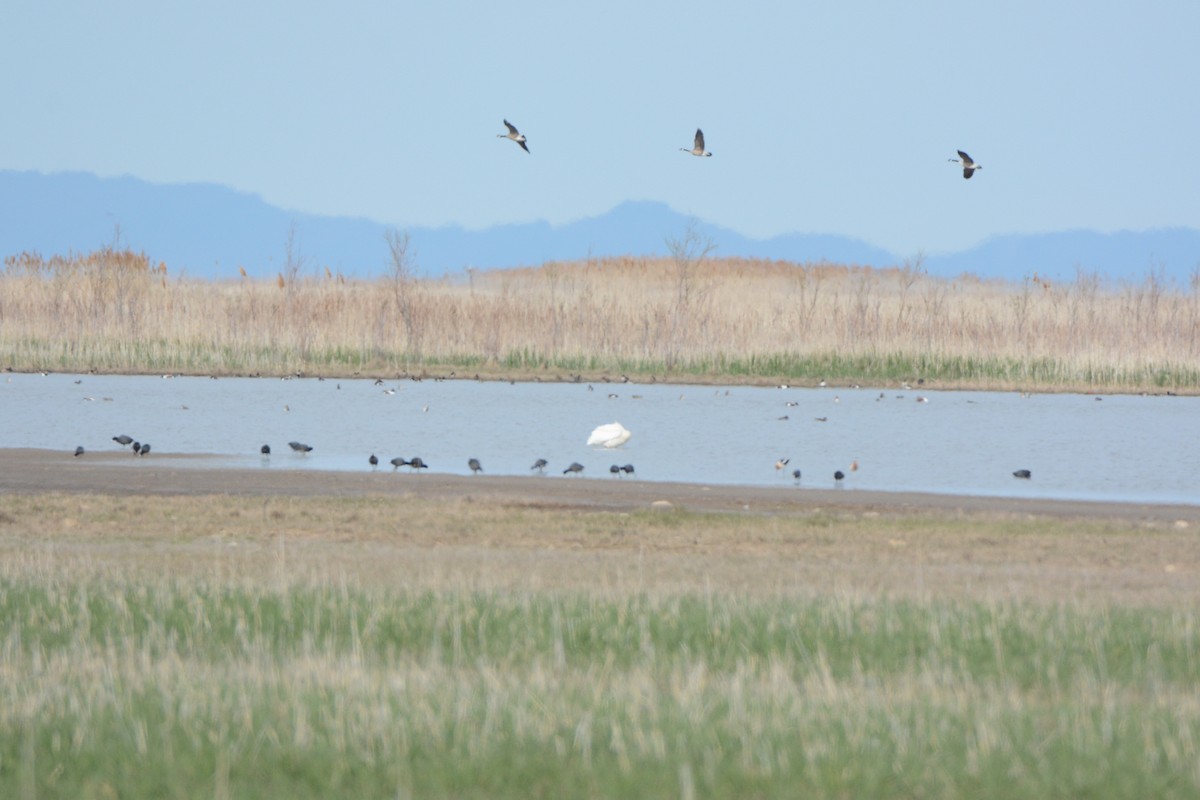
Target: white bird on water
613 434
968 164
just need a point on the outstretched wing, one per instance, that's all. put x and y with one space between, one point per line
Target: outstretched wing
699 140
511 128
966 159
522 143
968 172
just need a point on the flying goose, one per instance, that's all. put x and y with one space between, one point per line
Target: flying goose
968 164
698 149
513 134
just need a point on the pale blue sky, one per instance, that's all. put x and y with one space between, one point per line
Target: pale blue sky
823 117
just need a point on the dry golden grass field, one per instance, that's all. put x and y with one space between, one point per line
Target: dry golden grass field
691 317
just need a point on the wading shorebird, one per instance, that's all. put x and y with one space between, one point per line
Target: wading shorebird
968 164
475 466
513 134
539 465
698 147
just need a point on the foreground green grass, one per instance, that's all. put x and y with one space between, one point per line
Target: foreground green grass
190 687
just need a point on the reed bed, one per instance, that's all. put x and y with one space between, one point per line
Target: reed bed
689 317
258 666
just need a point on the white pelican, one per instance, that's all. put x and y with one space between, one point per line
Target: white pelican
968 165
513 134
698 148
612 435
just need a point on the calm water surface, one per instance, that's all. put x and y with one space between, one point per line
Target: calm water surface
1126 448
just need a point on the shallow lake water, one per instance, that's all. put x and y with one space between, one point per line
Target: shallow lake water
1110 447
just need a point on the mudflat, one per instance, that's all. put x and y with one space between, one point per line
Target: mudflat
171 514
32 470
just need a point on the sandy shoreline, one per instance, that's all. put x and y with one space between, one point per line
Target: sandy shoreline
31 471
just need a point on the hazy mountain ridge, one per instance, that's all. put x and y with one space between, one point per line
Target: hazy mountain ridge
210 231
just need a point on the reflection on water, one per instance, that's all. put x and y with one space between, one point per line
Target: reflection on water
1076 446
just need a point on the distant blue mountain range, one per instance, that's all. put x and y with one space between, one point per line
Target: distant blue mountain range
209 231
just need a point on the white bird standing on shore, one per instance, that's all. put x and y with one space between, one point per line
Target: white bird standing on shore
613 434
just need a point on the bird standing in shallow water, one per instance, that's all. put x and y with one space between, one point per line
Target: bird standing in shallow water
513 134
576 468
123 440
1022 473
373 461
79 451
475 466
145 449
300 447
539 465
397 463
698 146
265 449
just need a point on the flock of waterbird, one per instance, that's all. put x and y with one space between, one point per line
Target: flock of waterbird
610 435
969 165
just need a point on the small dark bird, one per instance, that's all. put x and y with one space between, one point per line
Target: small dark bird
137 448
513 134
300 447
475 466
627 469
796 474
1022 473
373 461
397 463
79 451
265 449
615 470
575 468
838 475
539 465
123 440
416 463
145 449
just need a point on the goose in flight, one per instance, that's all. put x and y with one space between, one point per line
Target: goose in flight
968 164
513 134
698 149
